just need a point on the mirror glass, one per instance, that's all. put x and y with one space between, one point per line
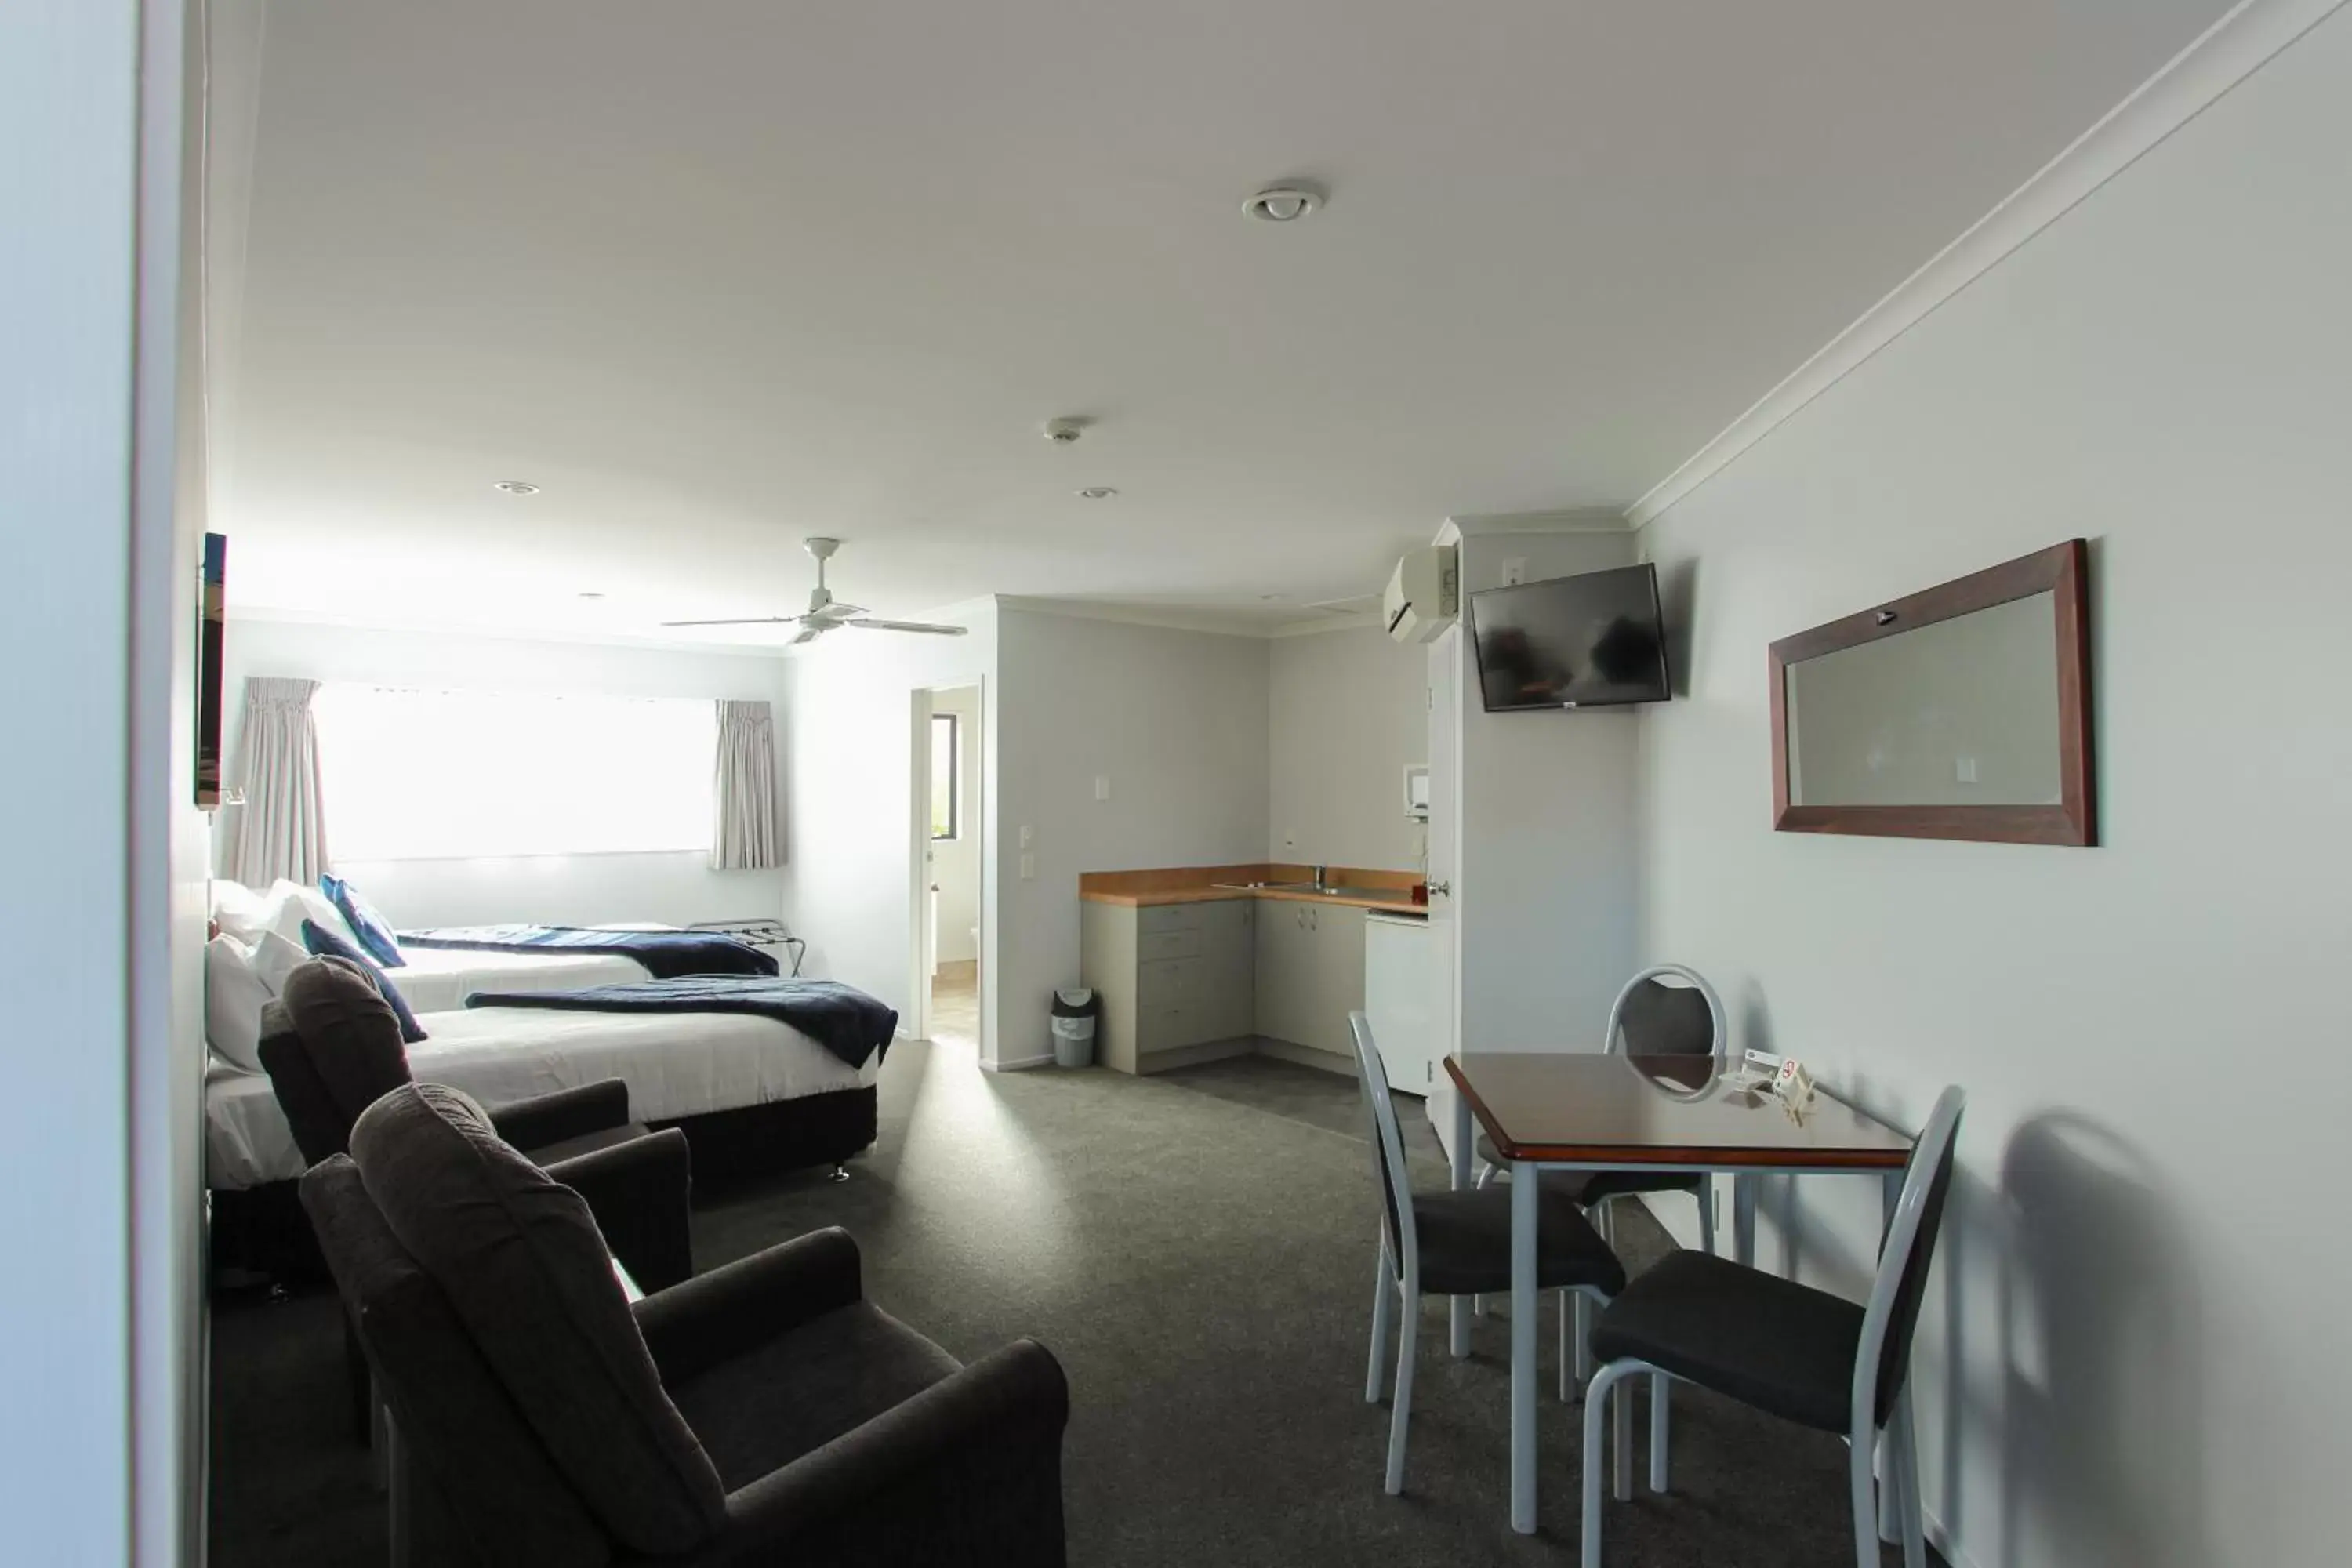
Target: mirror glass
1960 713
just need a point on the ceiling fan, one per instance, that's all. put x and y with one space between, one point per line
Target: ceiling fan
826 612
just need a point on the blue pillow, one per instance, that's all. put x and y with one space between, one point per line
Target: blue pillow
374 931
324 943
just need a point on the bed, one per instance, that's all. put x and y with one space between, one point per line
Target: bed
439 979
753 1095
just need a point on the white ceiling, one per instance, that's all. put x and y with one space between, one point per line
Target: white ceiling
720 275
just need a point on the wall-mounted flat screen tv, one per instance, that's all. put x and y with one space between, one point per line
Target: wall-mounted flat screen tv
1593 640
211 616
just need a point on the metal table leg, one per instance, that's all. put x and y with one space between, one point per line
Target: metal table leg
1458 1309
1524 1187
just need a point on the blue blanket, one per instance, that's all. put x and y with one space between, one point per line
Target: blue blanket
664 954
842 1018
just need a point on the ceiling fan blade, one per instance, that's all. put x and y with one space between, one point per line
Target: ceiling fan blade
808 634
836 610
747 621
875 625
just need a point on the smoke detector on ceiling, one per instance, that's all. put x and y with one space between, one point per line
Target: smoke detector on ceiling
516 487
1062 432
1283 203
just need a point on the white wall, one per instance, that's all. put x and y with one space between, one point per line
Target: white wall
955 863
680 889
1176 720
2137 1349
70 85
1349 714
1545 893
850 888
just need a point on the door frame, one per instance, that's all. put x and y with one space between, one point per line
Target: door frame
921 937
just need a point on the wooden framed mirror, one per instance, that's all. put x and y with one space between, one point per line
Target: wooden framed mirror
1960 712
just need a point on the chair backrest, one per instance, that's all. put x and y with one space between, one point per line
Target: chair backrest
1882 1360
1653 1018
1388 1151
472 1456
331 1047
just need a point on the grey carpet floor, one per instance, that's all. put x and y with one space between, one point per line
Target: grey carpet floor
1197 1248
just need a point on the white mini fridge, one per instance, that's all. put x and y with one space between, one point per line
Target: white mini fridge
1404 985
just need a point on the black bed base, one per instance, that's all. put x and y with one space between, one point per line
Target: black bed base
264 1230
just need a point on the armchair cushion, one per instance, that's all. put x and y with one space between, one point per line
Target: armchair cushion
735 1309
527 1271
800 1390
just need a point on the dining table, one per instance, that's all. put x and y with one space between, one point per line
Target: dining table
1584 1110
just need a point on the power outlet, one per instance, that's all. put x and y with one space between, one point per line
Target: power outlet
1515 571
1102 786
1028 867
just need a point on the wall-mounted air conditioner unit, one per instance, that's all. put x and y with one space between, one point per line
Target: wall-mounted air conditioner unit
1425 594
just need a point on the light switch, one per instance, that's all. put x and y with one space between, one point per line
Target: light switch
1028 837
1965 769
1102 786
1028 867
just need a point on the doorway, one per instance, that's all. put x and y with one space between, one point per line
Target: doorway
950 856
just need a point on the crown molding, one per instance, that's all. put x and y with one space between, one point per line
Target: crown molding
1129 615
2224 55
1347 621
1567 520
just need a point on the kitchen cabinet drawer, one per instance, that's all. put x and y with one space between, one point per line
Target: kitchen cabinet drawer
1154 918
1152 945
1172 980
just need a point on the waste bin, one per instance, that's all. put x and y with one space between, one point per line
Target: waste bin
1074 1012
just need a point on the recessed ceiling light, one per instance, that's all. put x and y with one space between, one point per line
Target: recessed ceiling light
516 487
590 593
1283 204
1096 492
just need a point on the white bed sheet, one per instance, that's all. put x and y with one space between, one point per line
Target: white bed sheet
675 1064
439 979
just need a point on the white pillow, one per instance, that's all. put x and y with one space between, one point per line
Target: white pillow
292 903
238 979
239 912
234 997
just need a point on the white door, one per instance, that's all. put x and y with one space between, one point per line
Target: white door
1443 959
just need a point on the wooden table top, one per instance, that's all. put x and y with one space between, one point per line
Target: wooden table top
1587 1108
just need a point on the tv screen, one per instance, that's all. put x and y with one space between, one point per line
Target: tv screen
1588 641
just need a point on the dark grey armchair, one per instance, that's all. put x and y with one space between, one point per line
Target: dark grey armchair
331 1047
762 1413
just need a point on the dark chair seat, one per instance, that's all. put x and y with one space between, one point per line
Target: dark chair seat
1589 1187
1465 1244
758 1412
1782 1347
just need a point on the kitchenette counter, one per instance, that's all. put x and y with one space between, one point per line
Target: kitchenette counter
1391 891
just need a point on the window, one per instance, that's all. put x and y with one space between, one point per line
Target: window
421 776
946 759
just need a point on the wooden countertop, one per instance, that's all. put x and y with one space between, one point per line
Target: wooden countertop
1387 890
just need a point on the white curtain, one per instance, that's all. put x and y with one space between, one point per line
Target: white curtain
283 830
747 833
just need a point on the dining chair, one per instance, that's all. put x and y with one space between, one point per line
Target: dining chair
1457 1244
1788 1350
1649 1017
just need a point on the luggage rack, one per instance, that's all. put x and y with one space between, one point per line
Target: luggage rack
760 933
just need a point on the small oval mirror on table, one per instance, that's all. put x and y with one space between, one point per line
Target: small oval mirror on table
1963 711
